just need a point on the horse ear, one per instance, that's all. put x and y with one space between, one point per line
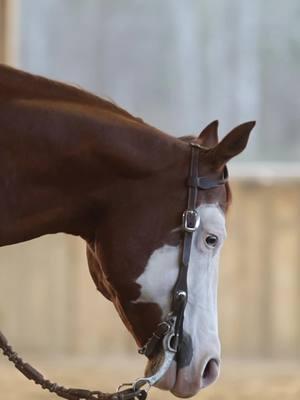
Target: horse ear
232 144
209 136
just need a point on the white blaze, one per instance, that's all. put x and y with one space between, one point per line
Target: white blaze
160 274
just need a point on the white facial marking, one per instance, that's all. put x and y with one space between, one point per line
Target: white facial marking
159 277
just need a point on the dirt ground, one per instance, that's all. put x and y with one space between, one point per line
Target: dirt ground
240 380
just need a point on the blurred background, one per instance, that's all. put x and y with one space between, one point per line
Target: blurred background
178 65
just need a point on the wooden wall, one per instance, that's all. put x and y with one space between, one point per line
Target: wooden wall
9 31
48 303
2 30
260 273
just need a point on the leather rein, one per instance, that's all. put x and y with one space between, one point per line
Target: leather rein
168 334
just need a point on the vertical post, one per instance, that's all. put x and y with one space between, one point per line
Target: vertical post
2 29
9 31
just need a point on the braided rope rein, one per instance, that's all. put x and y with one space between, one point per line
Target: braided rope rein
67 393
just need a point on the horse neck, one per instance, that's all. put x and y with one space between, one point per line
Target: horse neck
60 165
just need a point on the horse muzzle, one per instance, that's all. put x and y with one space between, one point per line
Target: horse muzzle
186 382
186 374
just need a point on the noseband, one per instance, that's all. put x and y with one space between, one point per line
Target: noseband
169 333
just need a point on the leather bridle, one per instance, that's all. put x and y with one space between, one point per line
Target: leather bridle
169 333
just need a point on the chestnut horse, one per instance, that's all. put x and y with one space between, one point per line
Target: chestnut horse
75 163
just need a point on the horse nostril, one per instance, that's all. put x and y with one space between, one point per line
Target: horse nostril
210 372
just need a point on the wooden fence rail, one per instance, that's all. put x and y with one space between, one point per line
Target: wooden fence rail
48 303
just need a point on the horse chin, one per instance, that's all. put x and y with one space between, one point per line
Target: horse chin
176 381
168 381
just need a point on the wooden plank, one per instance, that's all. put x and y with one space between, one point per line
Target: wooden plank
285 273
98 327
2 30
9 31
241 300
251 242
229 292
33 286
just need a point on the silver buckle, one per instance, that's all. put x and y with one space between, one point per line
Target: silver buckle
190 220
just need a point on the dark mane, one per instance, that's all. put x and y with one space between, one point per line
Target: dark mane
27 85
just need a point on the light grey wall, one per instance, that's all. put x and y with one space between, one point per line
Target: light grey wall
178 64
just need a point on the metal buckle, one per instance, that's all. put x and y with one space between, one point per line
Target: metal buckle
190 220
199 146
131 391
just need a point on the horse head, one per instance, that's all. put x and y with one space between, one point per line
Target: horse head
135 258
102 174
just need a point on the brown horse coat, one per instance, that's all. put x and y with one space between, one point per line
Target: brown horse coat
75 163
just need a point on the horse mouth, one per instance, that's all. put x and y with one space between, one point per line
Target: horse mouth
183 382
168 381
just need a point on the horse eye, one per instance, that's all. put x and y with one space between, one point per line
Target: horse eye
211 240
